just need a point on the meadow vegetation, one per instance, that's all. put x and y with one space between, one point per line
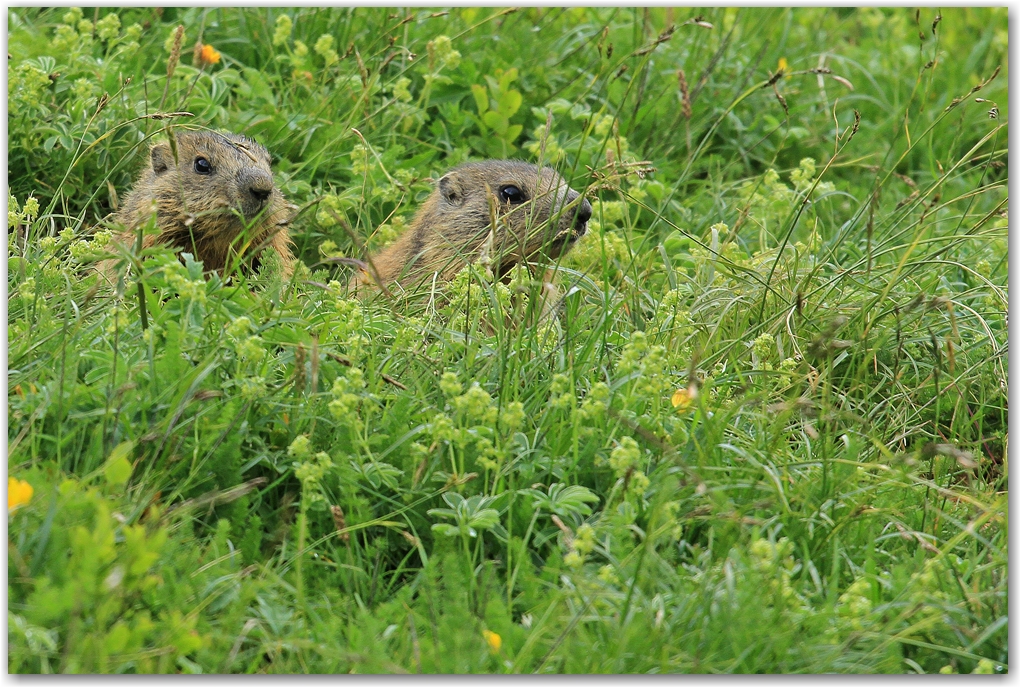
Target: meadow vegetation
766 432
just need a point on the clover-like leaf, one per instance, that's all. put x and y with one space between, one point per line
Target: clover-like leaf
564 500
469 515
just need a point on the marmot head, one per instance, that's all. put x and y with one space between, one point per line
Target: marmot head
535 212
219 182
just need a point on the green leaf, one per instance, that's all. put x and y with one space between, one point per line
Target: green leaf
510 102
481 98
453 498
446 528
509 76
496 121
118 467
484 519
564 500
676 243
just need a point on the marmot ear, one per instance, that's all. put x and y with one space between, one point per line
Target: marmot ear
451 189
161 158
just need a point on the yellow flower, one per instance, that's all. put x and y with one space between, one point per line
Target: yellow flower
18 493
784 66
494 640
209 55
683 398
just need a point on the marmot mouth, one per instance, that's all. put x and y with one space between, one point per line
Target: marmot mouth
568 237
251 210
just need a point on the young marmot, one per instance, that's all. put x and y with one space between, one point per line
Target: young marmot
511 211
217 199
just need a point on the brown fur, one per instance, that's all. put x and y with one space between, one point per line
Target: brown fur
465 219
202 213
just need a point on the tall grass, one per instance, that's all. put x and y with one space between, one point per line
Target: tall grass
765 432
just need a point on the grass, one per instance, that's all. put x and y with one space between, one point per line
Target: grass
766 432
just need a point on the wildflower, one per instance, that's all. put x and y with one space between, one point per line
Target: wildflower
73 16
252 388
625 456
584 540
513 416
300 447
346 398
608 575
359 160
639 483
133 32
64 38
31 208
401 91
208 55
683 398
442 52
783 65
596 401
27 87
83 89
603 125
488 454
251 348
239 328
324 45
118 320
476 404
449 384
324 49
493 640
282 30
763 345
151 334
984 667
804 174
311 471
442 428
27 288
13 216
561 391
18 493
108 27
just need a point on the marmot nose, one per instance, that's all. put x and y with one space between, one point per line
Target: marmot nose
260 192
583 215
259 185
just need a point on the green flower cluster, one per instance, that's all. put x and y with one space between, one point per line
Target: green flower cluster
310 469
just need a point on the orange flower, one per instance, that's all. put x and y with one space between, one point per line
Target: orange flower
493 639
18 493
209 55
683 398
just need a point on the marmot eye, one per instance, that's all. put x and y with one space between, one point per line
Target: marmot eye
511 194
202 166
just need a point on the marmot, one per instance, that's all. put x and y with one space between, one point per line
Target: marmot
215 200
509 210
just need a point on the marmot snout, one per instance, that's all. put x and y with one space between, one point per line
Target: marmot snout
215 200
509 210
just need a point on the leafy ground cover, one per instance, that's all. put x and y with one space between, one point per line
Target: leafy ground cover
766 432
